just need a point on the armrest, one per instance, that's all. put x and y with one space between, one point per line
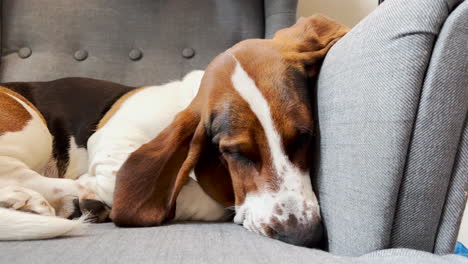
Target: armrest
386 146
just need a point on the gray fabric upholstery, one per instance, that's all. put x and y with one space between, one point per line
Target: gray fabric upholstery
442 110
161 30
277 14
455 199
393 158
189 243
375 105
458 185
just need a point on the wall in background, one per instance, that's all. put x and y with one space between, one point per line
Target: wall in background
348 12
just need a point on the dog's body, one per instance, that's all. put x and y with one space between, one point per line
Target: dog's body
44 127
239 137
44 158
135 120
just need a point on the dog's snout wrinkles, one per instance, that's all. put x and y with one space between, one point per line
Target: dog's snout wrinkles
291 219
293 226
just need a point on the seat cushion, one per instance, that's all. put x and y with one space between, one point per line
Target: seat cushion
185 243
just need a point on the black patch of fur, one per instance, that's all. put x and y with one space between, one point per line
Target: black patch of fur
61 144
71 107
97 210
79 102
76 211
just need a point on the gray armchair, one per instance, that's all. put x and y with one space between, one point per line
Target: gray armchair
392 102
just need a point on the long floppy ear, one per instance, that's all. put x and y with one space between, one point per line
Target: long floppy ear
214 177
149 182
312 37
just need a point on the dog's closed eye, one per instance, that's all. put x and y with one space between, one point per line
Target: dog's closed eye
235 152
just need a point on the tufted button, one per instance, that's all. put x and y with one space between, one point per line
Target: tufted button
24 52
135 54
188 53
81 55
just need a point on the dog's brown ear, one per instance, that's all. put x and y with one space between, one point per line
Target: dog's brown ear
149 182
312 37
214 177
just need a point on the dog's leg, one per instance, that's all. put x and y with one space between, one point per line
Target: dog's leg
90 202
26 151
60 193
108 149
25 200
67 196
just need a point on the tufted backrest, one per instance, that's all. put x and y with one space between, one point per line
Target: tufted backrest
131 42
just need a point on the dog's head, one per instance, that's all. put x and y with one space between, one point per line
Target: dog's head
247 136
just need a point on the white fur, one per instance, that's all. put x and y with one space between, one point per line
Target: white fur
140 119
15 225
22 199
22 155
78 158
35 135
194 204
296 188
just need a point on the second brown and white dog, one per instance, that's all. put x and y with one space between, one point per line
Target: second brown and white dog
238 136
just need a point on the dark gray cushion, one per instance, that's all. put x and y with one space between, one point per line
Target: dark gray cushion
55 31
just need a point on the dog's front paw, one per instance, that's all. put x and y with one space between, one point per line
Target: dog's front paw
95 211
90 204
68 207
73 207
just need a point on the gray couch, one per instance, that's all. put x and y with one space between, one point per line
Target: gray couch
392 100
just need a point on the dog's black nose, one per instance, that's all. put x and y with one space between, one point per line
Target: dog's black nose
293 232
309 236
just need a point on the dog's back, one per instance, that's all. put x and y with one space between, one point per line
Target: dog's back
72 108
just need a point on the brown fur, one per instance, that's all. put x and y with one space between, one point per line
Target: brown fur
168 160
4 92
13 116
219 126
302 46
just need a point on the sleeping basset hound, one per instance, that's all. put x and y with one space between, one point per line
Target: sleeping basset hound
236 137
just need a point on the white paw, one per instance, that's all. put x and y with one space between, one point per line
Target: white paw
26 200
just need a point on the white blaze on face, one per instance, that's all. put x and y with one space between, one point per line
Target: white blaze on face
295 196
